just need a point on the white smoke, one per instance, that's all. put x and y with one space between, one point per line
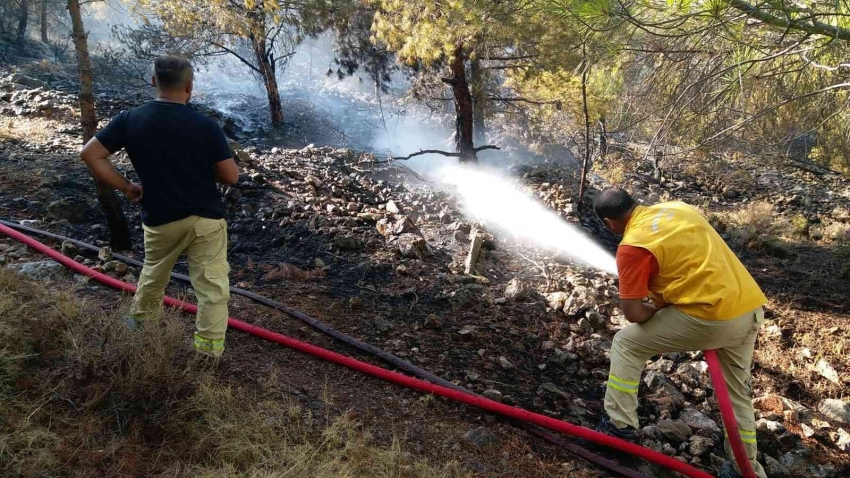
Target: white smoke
490 198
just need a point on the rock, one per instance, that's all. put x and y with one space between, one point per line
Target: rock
842 440
320 264
837 410
121 268
42 270
383 227
348 243
550 388
556 300
412 246
109 266
581 298
558 357
382 325
505 363
355 302
69 249
73 212
794 461
467 331
516 290
232 194
777 404
481 436
675 430
668 397
460 236
826 370
393 208
105 254
2 259
596 320
258 178
240 155
698 422
25 80
699 445
808 431
770 426
432 322
494 395
774 469
405 225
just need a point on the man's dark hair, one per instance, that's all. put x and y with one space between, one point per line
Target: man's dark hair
613 203
172 72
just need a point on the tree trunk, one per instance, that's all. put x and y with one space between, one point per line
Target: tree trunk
23 20
583 181
119 233
479 101
463 108
44 37
266 66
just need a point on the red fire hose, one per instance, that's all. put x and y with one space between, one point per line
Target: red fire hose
727 413
397 362
416 384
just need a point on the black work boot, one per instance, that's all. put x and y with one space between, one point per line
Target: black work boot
607 427
727 470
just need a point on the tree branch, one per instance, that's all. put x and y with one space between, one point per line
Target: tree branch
425 151
815 27
238 57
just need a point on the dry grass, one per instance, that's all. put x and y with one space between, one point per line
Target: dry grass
81 395
34 130
756 227
292 272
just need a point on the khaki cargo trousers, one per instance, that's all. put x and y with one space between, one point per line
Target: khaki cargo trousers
204 241
671 330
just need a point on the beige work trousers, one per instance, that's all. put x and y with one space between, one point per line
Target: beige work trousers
204 241
671 330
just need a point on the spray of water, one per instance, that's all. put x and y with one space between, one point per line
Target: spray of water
492 199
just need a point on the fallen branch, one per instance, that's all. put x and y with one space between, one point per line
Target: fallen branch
436 151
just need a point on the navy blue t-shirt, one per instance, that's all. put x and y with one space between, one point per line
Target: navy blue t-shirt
173 149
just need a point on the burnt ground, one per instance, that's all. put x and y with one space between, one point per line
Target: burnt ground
297 207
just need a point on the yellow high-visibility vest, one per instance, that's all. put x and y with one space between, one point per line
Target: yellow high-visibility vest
697 272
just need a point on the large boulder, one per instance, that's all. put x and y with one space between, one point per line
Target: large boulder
837 410
675 430
25 80
72 211
516 290
42 270
581 298
412 246
698 421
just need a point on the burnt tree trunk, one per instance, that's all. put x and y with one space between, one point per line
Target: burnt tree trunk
476 74
119 233
44 37
23 20
583 181
463 107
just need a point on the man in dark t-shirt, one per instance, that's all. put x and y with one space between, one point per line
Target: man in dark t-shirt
179 155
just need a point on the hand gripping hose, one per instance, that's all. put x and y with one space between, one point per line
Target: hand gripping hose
416 384
398 362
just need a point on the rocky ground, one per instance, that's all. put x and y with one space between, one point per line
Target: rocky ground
381 255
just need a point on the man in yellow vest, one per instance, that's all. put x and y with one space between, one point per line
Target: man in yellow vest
702 297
